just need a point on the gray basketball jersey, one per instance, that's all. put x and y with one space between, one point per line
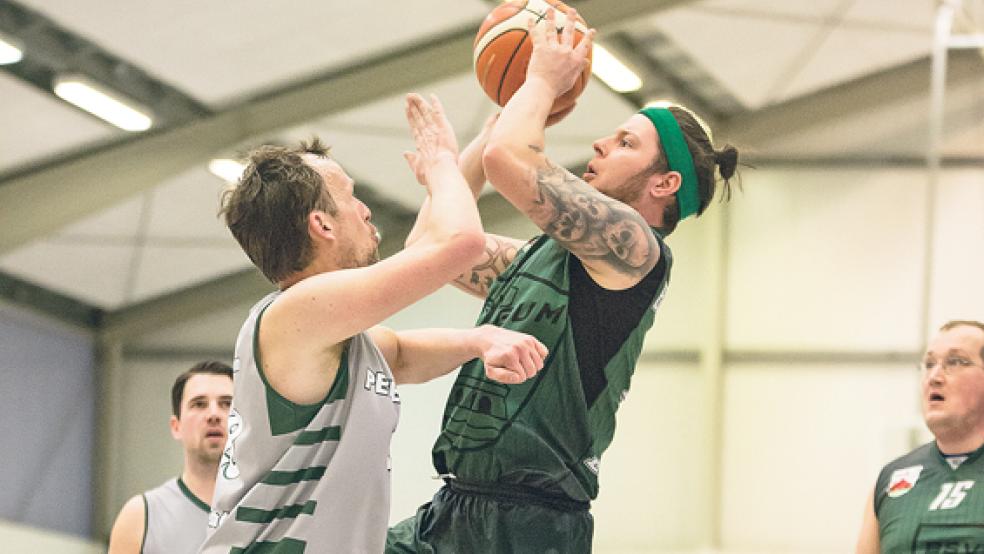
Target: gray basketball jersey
175 520
305 478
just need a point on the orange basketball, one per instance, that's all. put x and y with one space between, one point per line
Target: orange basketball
502 50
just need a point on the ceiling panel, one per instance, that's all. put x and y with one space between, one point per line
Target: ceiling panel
165 269
739 51
37 125
94 273
781 9
914 15
120 221
222 51
186 207
849 52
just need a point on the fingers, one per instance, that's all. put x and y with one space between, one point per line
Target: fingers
567 35
504 375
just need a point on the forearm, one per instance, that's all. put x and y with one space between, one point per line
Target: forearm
524 117
450 208
425 354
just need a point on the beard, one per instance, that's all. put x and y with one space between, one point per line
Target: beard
630 191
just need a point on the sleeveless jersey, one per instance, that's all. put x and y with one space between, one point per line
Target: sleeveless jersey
925 506
175 519
305 478
540 433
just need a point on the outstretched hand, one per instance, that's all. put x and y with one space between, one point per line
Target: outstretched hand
432 133
510 357
555 59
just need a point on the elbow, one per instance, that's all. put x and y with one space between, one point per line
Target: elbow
468 247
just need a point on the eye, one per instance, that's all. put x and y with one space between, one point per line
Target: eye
625 143
955 361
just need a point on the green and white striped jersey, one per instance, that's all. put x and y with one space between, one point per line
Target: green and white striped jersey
305 478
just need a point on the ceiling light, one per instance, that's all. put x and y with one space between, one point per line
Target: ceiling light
614 73
228 170
10 51
101 103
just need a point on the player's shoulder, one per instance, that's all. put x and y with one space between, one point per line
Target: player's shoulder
919 457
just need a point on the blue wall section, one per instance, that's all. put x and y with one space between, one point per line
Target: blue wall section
47 422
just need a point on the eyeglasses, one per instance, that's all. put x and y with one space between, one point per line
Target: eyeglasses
951 365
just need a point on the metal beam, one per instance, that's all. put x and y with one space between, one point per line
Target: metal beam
839 103
89 182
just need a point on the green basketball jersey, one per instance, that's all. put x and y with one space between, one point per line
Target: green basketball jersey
925 506
540 433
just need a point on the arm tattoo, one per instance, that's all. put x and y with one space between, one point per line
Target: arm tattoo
590 225
498 256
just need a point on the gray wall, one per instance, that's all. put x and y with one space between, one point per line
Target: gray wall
47 406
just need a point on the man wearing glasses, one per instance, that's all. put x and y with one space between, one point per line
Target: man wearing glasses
932 499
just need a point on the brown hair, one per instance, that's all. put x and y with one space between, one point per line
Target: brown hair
706 160
267 209
964 323
210 367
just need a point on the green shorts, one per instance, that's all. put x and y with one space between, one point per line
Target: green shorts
470 523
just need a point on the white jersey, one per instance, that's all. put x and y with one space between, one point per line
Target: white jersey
305 478
175 519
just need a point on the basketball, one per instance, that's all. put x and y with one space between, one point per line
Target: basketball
502 50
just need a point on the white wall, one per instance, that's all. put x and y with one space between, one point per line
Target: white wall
824 274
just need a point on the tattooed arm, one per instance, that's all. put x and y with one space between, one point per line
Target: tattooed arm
611 239
499 253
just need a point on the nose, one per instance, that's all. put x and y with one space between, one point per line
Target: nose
598 147
368 212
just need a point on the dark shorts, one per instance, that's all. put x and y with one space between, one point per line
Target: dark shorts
466 522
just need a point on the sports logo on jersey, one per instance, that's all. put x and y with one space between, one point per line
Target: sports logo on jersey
903 480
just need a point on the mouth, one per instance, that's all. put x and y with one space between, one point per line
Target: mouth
936 397
215 434
589 174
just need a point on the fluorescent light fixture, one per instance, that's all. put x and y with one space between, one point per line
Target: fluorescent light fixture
10 51
228 170
613 72
102 103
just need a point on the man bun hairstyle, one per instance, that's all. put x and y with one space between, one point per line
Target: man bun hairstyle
709 164
267 209
208 367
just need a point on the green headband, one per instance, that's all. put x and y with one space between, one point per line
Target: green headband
677 156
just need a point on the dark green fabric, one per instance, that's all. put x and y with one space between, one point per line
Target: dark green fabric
941 511
459 523
538 434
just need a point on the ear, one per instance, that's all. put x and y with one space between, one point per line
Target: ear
175 424
662 185
321 225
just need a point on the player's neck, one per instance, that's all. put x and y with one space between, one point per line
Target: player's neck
200 479
952 443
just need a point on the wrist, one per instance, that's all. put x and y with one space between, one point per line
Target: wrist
477 341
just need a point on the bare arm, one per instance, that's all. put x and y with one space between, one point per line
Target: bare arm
128 530
301 332
499 250
611 239
421 355
869 542
499 253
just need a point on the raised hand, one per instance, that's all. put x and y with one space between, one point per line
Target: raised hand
510 357
555 59
432 133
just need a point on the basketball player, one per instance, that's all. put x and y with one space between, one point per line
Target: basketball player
306 467
171 519
521 463
932 499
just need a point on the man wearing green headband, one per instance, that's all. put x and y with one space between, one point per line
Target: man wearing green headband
521 463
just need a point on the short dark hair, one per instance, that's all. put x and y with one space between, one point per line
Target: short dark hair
964 323
210 367
267 210
706 160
